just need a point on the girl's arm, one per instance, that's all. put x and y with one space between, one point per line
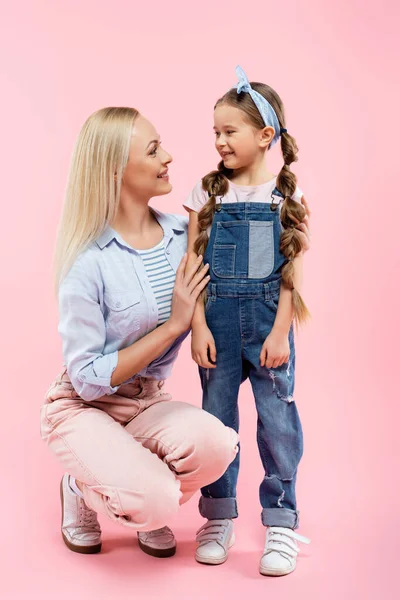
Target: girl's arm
193 231
276 350
284 315
203 345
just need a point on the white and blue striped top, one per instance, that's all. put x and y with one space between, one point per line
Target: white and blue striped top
161 277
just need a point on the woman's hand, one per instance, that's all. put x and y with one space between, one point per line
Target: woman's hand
304 227
203 346
276 350
188 287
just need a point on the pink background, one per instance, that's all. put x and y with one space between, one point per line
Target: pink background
335 66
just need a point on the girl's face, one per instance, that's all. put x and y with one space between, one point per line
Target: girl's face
238 143
146 173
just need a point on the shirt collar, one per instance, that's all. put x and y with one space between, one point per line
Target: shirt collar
167 222
105 238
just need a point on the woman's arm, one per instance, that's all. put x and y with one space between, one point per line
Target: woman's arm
82 329
189 284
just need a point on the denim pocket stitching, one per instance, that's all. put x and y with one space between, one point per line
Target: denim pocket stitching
225 274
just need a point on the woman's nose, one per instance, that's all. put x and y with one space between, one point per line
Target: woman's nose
166 158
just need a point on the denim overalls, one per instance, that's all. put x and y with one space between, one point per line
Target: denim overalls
242 299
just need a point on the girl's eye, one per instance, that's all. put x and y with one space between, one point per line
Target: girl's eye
216 133
229 132
154 151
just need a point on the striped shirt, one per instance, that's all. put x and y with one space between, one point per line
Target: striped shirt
161 277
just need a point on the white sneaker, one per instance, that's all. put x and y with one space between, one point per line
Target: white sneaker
80 528
214 539
280 552
159 542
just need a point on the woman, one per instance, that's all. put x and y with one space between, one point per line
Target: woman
126 303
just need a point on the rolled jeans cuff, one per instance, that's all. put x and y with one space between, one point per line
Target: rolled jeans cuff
280 517
218 508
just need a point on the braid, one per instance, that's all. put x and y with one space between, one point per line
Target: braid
216 184
292 213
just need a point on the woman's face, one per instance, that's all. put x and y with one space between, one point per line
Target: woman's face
146 173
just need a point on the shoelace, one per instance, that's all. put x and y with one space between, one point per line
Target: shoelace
87 516
212 531
283 540
158 532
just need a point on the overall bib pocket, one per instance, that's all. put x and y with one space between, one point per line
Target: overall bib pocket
243 249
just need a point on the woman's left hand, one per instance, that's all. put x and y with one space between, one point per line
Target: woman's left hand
304 227
276 350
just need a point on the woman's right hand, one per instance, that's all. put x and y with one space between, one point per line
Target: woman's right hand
203 346
188 287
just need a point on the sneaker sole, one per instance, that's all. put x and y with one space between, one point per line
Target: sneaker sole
157 552
272 573
94 549
216 561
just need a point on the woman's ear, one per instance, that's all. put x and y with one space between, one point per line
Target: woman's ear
266 136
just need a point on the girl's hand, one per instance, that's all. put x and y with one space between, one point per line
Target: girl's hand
203 346
304 227
188 287
276 350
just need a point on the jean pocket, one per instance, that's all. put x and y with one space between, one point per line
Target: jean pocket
223 262
261 249
122 314
273 301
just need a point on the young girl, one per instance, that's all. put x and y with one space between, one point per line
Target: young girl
245 222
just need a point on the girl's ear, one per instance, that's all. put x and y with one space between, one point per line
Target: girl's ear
266 136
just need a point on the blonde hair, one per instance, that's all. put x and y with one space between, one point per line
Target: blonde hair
94 183
292 212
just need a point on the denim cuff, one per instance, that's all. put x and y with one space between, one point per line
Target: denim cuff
218 508
280 517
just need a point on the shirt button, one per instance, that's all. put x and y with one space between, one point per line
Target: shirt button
168 251
118 304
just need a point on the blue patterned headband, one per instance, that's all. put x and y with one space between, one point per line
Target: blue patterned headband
265 109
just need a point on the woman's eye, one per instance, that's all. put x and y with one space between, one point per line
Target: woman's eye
216 133
154 151
229 132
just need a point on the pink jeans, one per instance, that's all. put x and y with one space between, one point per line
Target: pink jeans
138 454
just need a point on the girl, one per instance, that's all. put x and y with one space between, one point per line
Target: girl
247 223
126 302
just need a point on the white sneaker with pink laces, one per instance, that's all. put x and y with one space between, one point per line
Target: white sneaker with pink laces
80 528
159 542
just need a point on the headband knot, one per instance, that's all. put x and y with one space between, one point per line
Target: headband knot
264 107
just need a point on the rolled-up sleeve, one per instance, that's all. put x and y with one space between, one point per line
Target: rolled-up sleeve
83 333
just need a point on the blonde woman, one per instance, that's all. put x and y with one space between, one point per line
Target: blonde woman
126 302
